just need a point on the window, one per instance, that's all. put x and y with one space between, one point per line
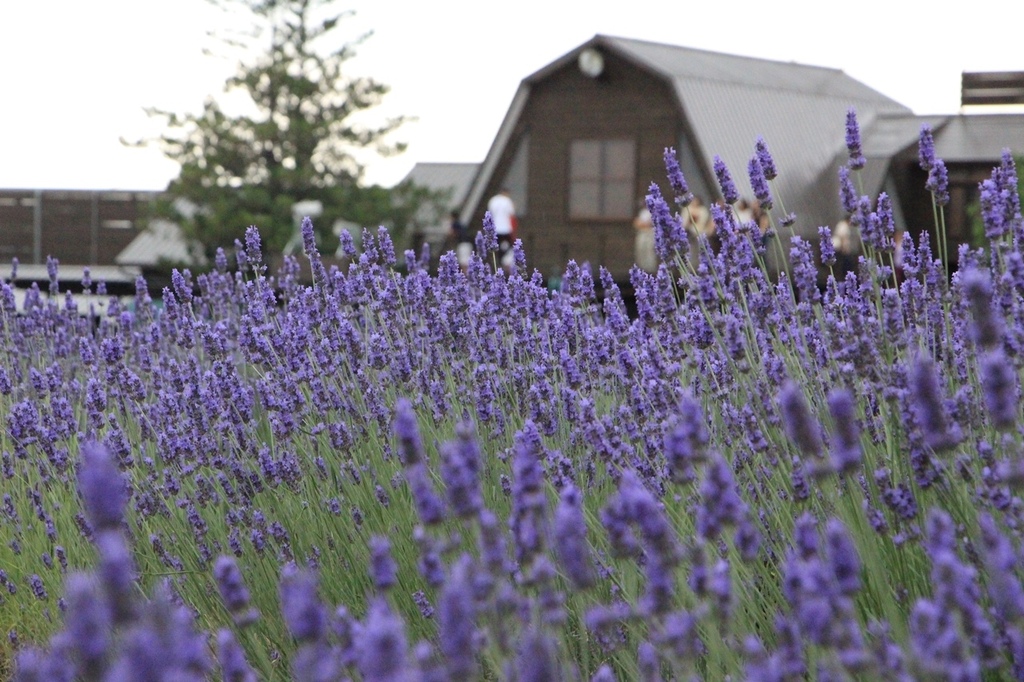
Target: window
117 224
601 178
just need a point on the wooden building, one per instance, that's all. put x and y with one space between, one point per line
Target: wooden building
84 227
584 137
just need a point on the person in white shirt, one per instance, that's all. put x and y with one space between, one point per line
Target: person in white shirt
503 213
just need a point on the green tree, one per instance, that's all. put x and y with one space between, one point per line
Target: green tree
299 142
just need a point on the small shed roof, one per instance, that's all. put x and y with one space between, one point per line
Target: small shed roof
441 176
162 240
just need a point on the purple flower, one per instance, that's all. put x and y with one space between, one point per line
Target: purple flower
493 550
938 182
828 250
117 574
51 270
490 233
38 589
720 587
527 521
857 160
423 604
253 246
686 440
886 222
927 399
231 656
926 148
647 662
669 235
725 182
683 197
101 487
847 192
1001 561
801 426
764 158
303 613
570 528
1000 201
759 183
382 645
842 557
407 431
383 569
88 625
232 589
428 505
456 616
999 384
846 450
937 645
720 503
460 468
680 635
987 327
537 659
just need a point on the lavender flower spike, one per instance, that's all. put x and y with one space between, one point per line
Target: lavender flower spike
456 615
231 656
926 148
857 160
305 616
999 384
759 183
382 645
676 179
233 591
938 182
800 425
101 487
383 569
571 538
764 157
927 397
847 192
669 235
729 192
846 450
410 446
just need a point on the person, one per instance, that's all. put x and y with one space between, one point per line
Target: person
843 244
644 252
744 211
458 233
503 213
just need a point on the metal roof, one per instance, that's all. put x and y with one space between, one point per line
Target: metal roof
980 137
727 101
440 176
162 240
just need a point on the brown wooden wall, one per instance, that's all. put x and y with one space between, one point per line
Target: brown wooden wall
80 227
625 102
916 203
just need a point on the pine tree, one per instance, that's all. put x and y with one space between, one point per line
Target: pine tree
297 143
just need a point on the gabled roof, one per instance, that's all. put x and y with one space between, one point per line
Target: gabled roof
441 176
727 101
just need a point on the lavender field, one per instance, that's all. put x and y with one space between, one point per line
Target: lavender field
394 475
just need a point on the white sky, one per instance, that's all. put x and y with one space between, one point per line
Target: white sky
75 76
